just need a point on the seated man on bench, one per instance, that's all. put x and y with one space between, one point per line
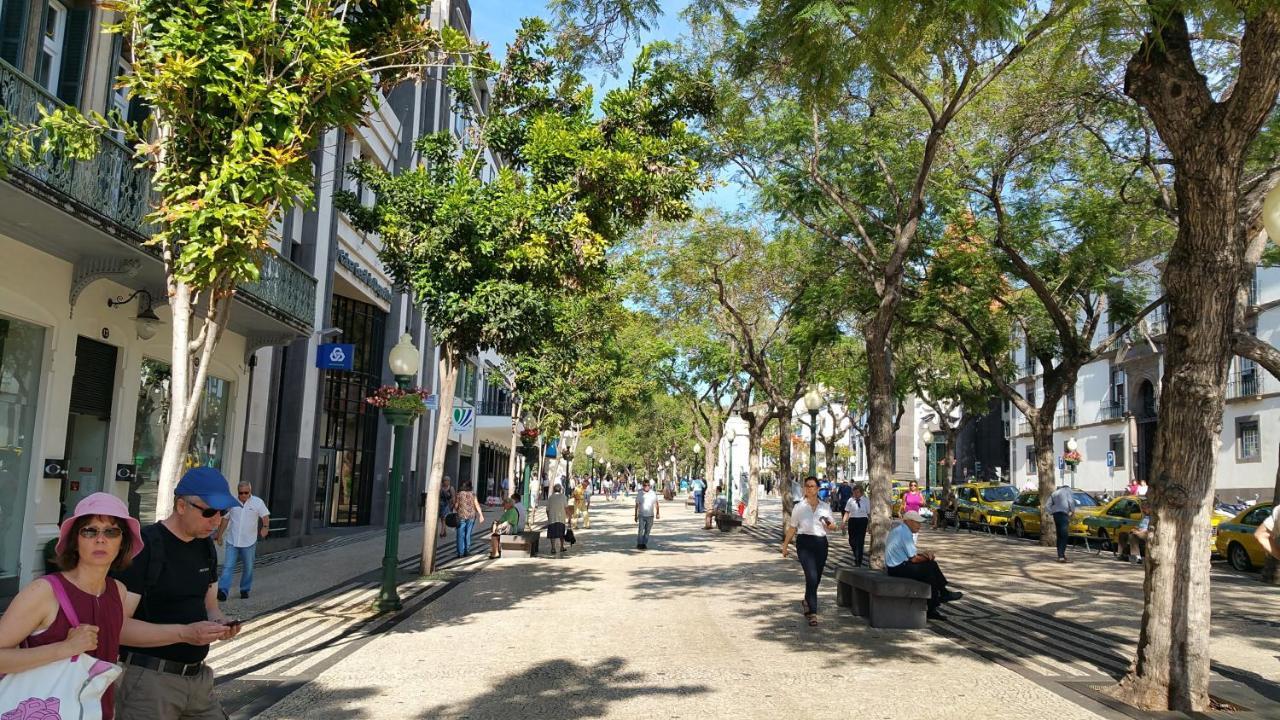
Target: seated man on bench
901 559
504 526
718 506
1139 535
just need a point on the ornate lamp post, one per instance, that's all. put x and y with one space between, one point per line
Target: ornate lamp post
403 361
529 451
693 469
1072 445
813 403
591 473
730 435
930 457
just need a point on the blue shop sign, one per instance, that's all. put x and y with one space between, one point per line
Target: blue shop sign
336 356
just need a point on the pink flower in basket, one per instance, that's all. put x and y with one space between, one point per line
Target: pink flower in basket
35 709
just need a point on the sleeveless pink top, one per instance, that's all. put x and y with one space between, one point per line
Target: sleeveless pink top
107 612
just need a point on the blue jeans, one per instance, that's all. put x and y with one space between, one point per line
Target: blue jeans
812 552
642 533
1061 528
464 535
245 554
697 502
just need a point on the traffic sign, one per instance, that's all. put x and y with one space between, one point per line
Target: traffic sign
1111 458
336 356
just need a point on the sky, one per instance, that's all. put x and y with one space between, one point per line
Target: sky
496 22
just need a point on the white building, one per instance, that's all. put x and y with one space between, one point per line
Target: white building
1112 410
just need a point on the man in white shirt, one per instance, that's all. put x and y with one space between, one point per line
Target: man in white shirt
241 527
858 514
1268 533
647 510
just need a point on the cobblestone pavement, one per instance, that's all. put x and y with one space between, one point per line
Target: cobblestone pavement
703 624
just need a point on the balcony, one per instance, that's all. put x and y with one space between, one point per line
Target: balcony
496 406
1065 419
112 194
1024 427
1111 412
1245 383
1158 321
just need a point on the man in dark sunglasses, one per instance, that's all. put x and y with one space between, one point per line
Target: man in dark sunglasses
172 607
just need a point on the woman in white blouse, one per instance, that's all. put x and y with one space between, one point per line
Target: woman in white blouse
810 521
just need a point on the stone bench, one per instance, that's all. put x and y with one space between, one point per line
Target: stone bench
526 542
727 521
886 601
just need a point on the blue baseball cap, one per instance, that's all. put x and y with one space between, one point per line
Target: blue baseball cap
209 485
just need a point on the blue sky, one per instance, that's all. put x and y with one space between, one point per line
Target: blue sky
496 22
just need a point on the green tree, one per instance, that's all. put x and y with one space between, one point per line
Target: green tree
489 261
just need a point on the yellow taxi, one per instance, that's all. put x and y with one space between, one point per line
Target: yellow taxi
1115 520
1234 538
985 503
1026 513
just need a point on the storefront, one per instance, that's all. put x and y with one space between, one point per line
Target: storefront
22 347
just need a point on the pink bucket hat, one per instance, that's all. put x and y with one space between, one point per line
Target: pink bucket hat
101 503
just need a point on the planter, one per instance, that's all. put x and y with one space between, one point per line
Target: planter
397 417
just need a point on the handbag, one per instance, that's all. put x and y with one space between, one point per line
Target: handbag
451 520
70 688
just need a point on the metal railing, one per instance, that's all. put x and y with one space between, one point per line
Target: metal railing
496 407
111 186
1158 321
1111 412
1066 418
1245 383
1024 427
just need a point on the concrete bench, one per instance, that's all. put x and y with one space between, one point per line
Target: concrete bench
886 601
727 521
526 542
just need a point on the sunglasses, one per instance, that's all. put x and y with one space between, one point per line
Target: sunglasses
205 512
110 533
244 493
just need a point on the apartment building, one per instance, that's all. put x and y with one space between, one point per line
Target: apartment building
84 331
1111 412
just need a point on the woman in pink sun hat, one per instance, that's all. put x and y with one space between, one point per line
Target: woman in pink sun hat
98 538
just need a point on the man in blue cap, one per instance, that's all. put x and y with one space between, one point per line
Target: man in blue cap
171 611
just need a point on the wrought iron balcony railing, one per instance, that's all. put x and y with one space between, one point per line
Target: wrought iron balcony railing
112 187
1111 412
1245 383
496 406
1066 418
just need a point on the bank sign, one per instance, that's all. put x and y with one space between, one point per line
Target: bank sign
335 356
463 419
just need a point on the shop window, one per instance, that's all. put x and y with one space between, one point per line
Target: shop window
21 355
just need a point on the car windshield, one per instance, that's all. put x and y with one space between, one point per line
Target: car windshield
1003 493
1084 499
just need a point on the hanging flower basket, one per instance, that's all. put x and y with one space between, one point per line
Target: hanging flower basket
529 437
399 406
1072 458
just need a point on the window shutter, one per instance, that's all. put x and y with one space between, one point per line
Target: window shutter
13 30
74 51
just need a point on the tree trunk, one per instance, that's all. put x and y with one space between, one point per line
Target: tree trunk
1046 472
448 370
784 469
880 437
828 456
709 454
752 516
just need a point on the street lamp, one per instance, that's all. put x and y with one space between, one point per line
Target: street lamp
693 468
403 362
813 402
1071 447
730 435
930 456
591 473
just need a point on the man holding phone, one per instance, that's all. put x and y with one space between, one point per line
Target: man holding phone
810 521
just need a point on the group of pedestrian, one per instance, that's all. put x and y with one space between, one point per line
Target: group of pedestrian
144 597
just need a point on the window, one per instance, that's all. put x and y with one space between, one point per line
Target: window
1116 445
1248 440
1031 460
51 43
1257 515
21 360
1117 388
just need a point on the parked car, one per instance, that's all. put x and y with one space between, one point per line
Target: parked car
985 503
1026 513
1234 538
1113 523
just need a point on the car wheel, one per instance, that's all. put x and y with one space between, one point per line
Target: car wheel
1018 529
1239 557
1104 539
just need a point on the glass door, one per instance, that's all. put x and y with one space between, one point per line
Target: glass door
21 357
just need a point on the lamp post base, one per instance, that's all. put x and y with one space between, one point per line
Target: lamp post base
388 601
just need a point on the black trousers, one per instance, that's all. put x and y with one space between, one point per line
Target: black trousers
927 572
1061 528
812 552
858 538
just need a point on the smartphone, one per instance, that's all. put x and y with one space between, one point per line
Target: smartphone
231 622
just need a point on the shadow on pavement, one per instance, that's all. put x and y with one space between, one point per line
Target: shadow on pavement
525 581
560 689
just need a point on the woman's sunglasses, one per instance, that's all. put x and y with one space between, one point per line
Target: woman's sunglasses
205 512
110 533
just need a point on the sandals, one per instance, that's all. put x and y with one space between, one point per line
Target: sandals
810 616
813 620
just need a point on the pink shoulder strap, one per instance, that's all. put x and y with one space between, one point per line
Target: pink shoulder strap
64 602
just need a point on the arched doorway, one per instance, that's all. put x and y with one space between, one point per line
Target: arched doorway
1146 416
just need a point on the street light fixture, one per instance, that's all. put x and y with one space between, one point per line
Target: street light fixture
591 473
730 435
693 468
812 403
403 362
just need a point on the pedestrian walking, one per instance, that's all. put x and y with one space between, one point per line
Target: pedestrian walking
469 513
844 492
36 631
810 521
902 559
857 516
699 494
172 586
446 502
556 516
240 530
647 510
1062 503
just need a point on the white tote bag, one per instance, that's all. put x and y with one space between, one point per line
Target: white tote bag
65 690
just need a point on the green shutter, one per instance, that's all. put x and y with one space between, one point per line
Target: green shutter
74 51
13 30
